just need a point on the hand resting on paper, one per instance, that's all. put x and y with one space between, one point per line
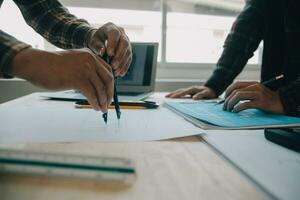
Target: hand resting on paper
196 92
249 94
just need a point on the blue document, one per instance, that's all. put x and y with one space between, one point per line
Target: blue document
213 114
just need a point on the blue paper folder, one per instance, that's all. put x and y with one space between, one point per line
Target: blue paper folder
213 114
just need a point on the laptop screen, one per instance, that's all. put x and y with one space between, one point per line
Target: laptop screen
143 66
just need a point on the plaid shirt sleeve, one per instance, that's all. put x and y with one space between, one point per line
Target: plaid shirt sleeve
242 41
54 22
50 19
290 98
9 47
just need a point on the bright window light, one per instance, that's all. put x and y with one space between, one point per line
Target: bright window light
194 38
12 22
141 26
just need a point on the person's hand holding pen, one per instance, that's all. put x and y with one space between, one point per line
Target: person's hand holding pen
111 44
112 40
76 69
248 94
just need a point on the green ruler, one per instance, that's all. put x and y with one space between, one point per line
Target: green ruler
95 168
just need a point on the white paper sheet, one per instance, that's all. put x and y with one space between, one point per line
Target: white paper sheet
32 120
274 168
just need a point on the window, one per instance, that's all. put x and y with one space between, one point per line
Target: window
190 33
17 27
196 32
195 38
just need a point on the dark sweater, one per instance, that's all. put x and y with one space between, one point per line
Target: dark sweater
277 23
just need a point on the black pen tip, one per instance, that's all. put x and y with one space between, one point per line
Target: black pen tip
104 115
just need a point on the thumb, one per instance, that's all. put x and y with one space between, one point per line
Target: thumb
98 47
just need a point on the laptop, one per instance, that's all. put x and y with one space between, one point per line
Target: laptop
137 84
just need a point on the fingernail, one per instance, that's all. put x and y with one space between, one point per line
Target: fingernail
97 108
104 109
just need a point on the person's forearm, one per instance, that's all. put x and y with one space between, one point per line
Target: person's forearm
37 67
40 68
243 40
9 48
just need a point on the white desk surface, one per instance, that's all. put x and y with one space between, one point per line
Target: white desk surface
185 168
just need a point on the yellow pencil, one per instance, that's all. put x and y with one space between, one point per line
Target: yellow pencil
112 107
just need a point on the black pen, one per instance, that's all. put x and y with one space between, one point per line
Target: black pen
267 83
116 100
104 115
